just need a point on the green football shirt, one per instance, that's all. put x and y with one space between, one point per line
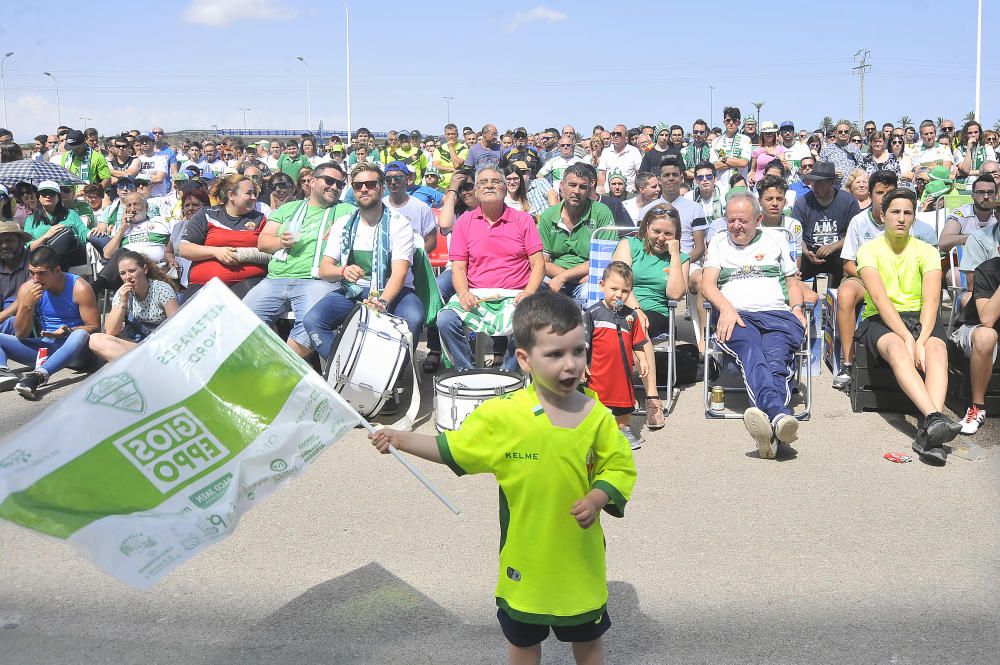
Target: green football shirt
308 249
551 571
569 248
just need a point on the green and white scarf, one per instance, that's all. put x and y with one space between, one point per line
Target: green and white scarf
381 254
493 316
84 165
294 225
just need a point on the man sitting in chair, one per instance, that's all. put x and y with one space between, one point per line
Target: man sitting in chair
750 280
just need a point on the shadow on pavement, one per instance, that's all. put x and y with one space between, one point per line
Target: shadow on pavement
370 616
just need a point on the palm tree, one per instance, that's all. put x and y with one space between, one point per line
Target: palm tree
904 121
996 126
850 123
969 117
826 124
940 121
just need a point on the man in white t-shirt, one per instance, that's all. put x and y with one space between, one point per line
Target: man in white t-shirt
155 167
752 283
215 164
794 150
619 155
368 254
927 153
647 190
415 210
731 152
554 168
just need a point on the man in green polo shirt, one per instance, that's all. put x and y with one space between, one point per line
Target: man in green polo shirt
295 235
84 162
292 161
566 229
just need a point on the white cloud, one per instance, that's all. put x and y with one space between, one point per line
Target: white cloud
220 13
536 15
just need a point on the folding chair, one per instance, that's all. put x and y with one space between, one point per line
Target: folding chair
601 251
801 359
957 284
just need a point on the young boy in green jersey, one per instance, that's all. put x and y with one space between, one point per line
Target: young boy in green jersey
560 459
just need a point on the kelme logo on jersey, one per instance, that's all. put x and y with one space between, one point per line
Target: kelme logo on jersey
513 574
171 449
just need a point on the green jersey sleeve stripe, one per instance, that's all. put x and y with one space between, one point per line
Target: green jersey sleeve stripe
446 456
616 507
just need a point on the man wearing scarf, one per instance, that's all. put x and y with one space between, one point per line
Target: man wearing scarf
294 235
368 257
81 160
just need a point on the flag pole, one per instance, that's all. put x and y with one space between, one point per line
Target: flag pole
415 471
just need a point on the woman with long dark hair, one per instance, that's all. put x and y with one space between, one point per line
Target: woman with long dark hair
53 225
517 195
145 300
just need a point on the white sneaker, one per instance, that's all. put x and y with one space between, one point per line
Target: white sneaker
786 428
634 442
759 427
974 417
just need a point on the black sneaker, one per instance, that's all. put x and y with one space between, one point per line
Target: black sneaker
926 451
940 429
7 379
843 379
30 383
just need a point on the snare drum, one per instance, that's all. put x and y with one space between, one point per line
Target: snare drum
367 357
459 392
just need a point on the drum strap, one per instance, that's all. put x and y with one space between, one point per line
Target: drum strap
406 422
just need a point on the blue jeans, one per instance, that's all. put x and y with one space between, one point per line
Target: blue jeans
456 342
273 297
575 290
447 289
62 352
323 320
7 327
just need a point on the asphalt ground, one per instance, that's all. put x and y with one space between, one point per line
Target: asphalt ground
830 554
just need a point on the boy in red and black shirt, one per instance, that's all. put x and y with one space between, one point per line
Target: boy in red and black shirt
616 339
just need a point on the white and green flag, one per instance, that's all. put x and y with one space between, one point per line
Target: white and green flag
158 455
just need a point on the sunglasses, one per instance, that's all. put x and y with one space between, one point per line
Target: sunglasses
898 142
129 186
858 141
705 176
730 120
282 185
47 193
698 132
565 145
947 129
617 134
330 181
660 210
368 184
66 190
843 131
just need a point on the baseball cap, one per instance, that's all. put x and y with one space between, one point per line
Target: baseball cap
74 139
432 170
180 176
263 144
48 186
125 182
398 166
786 123
143 138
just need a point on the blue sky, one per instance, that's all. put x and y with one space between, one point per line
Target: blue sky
190 64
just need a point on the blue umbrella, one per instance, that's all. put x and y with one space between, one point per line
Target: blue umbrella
34 171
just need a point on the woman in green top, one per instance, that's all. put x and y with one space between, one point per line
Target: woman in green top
56 226
660 274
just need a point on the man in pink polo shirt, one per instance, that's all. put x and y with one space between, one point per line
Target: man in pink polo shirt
492 247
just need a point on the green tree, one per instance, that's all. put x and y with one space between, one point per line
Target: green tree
969 117
904 121
996 126
940 121
826 124
850 123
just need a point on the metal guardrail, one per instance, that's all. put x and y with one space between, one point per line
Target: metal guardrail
289 132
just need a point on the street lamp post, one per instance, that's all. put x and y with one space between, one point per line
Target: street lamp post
979 58
758 106
447 102
711 105
86 120
245 118
58 103
347 44
309 104
3 87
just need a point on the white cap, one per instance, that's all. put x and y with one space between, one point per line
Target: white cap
48 186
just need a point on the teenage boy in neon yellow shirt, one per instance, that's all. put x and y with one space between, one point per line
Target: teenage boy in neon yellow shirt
902 279
560 459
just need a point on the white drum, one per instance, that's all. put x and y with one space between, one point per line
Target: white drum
457 393
367 357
